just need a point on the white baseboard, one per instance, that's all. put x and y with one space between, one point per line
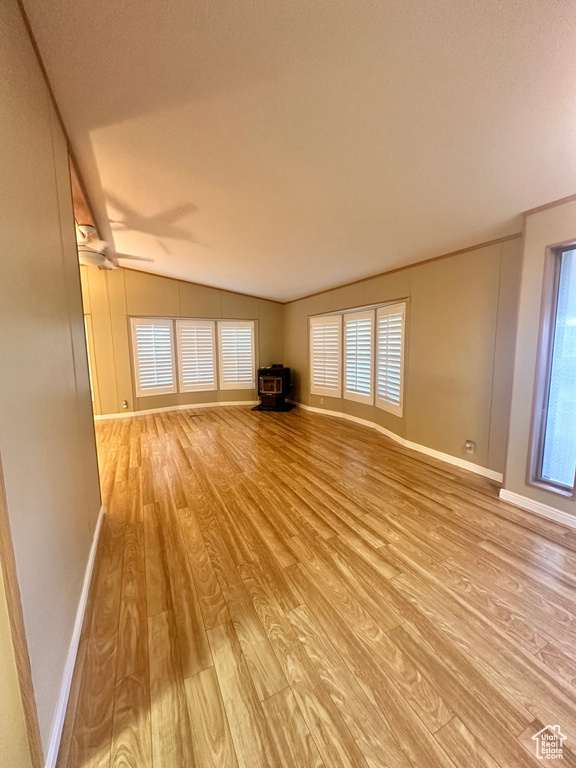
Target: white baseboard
462 463
189 407
565 518
60 714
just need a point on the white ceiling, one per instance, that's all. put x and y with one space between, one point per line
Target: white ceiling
280 147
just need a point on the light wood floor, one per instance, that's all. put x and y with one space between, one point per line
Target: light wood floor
293 590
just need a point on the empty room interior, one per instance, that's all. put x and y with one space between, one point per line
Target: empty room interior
288 384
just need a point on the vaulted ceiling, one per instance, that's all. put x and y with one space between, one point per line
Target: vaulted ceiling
280 147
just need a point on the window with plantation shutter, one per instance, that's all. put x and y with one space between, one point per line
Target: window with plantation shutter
326 355
196 344
359 356
153 356
236 354
390 324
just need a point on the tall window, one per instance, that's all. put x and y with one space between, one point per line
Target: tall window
359 356
196 355
554 451
184 355
370 357
236 354
326 355
154 356
390 358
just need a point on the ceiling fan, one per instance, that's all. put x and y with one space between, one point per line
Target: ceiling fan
93 252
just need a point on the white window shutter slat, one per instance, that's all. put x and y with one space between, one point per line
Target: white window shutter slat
390 332
196 340
325 355
236 353
153 356
359 356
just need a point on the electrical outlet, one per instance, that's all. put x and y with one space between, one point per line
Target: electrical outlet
125 404
321 401
470 446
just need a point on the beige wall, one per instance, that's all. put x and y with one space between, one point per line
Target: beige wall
460 332
548 227
111 297
13 736
46 428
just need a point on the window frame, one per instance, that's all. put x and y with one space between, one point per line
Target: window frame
160 321
195 322
235 385
385 405
92 376
325 391
543 373
348 317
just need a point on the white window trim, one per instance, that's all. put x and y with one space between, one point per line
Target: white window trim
357 396
227 385
189 322
548 319
89 353
400 307
325 391
155 390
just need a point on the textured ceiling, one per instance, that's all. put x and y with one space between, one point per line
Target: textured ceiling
280 147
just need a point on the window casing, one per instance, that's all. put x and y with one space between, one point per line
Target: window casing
192 355
390 333
236 354
89 347
553 449
154 365
196 346
326 355
359 356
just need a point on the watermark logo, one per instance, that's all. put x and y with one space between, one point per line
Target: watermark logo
549 743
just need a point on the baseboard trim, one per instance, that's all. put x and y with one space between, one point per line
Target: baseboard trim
60 714
551 513
189 407
446 457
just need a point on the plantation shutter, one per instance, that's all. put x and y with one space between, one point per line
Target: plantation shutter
390 357
236 348
196 341
153 356
359 356
326 355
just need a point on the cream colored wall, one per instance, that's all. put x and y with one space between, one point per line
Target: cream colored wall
46 429
111 297
548 227
460 330
13 737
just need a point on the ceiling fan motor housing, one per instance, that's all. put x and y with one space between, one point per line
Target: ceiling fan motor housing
90 257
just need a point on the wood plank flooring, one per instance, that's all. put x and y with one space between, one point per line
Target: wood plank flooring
293 591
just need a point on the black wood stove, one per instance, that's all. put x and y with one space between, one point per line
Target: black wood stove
273 388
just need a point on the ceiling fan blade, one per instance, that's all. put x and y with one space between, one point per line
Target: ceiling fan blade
133 258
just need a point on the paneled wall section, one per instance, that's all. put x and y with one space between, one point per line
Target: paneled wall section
111 297
461 323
